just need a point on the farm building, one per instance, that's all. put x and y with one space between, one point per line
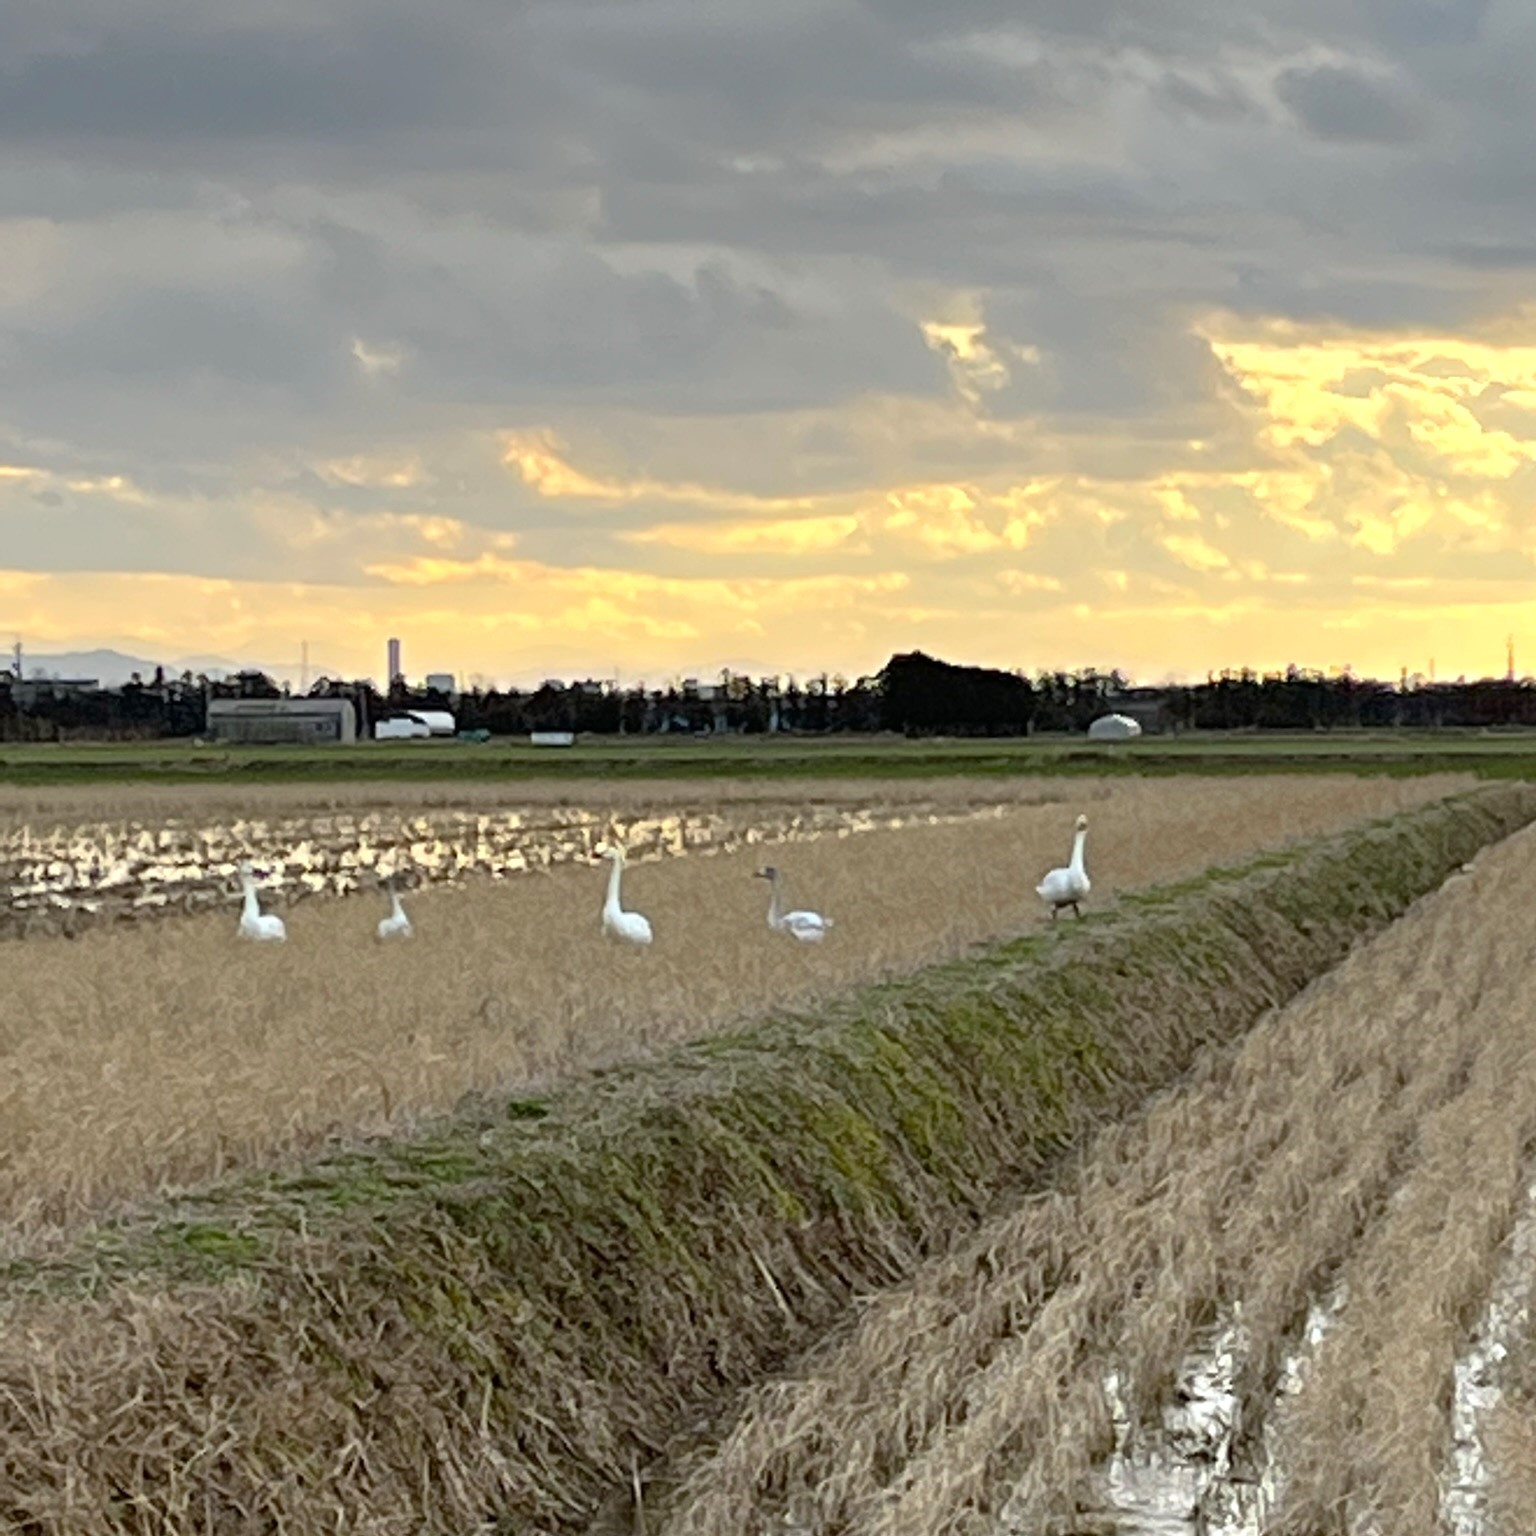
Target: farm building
281 721
1113 728
415 722
399 728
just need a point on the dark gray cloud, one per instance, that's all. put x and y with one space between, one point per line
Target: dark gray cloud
234 240
1346 105
131 83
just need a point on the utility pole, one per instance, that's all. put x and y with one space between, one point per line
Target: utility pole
304 666
1509 656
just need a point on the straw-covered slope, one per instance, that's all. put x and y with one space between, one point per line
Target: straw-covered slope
499 1323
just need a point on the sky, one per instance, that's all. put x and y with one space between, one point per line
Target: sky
643 338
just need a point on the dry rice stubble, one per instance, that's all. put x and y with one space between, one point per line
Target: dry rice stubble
1339 1104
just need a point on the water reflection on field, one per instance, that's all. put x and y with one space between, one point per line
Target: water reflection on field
68 877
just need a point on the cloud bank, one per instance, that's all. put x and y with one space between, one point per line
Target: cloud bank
585 336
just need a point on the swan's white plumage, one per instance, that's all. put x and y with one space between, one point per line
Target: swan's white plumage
397 925
1067 886
254 923
808 927
629 927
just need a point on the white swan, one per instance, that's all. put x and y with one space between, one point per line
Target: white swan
1066 887
808 927
397 925
254 923
628 926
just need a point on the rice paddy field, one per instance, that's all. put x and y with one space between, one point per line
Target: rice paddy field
1215 1211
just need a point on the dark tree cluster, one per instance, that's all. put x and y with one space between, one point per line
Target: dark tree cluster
914 694
926 697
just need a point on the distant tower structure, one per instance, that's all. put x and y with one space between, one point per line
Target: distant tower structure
18 656
304 666
1509 659
394 662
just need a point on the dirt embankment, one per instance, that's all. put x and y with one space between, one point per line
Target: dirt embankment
507 1318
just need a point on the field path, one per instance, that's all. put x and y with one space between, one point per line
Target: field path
1371 1140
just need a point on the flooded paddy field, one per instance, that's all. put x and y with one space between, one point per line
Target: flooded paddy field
1291 1296
69 861
67 877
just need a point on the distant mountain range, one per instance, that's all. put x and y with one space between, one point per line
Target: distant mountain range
114 668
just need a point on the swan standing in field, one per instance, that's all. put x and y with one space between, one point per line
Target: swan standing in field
397 925
628 926
808 927
254 923
1066 887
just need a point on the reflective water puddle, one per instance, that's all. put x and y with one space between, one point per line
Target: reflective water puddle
1184 1477
73 876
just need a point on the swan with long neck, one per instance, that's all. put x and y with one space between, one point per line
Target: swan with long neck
1066 887
397 925
808 927
254 923
628 927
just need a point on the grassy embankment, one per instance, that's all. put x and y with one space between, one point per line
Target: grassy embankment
144 1054
512 1314
1491 754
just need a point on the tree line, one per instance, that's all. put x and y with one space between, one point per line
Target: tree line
914 694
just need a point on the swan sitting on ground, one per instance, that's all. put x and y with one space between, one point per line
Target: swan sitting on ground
1066 887
397 925
808 927
628 926
254 923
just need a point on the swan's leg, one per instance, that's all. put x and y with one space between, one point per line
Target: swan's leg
1076 910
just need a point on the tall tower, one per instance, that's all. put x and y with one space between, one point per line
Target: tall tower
1509 659
393 670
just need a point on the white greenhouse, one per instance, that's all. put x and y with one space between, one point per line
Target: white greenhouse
1114 728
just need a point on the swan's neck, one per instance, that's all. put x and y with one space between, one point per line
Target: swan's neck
613 887
395 909
775 916
1076 866
248 886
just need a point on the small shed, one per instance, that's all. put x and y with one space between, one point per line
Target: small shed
274 722
1114 728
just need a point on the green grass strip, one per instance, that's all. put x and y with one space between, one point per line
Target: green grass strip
1492 755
